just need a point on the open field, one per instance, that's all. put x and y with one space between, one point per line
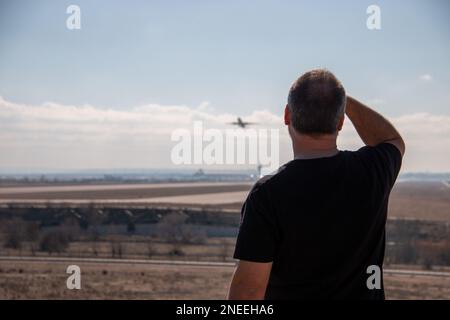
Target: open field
420 200
35 280
47 280
207 237
124 192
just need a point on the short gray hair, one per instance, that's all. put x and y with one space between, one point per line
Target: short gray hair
317 102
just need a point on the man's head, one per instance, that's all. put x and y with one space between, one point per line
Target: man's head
316 104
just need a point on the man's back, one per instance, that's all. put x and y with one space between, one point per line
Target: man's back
315 229
322 223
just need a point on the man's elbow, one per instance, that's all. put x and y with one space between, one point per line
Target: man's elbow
399 144
403 150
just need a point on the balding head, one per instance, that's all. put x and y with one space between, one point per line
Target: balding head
316 103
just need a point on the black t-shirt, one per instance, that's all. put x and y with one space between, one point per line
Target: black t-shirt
322 224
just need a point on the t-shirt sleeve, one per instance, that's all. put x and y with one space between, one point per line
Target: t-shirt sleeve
385 161
256 238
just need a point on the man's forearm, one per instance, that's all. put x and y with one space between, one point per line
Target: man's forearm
371 126
250 280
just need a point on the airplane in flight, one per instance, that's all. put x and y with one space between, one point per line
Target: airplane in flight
241 124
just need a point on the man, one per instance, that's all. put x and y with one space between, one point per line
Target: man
316 228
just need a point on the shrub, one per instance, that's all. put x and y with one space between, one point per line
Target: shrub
54 241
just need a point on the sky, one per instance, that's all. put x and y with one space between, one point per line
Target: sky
109 94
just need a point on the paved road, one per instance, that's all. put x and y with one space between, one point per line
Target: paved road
188 263
124 186
211 193
119 261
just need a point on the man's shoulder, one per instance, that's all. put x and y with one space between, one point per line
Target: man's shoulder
270 179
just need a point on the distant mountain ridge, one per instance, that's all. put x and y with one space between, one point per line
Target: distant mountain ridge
177 175
424 176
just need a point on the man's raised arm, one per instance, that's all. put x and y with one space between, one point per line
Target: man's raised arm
371 126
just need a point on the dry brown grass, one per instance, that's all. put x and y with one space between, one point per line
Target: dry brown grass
42 280
213 249
421 200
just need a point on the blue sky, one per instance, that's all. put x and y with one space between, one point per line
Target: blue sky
239 56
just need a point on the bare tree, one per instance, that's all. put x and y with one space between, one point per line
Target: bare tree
176 250
93 220
225 248
151 250
170 227
71 228
173 229
17 232
190 234
54 242
32 231
117 249
94 246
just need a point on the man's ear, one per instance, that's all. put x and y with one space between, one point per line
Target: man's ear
341 123
287 116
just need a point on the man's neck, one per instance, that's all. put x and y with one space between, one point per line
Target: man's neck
314 146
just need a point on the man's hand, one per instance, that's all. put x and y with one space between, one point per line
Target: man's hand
250 280
372 127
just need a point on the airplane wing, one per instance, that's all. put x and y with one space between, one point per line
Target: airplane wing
241 123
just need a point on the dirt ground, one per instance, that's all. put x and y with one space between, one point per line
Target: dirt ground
420 200
43 280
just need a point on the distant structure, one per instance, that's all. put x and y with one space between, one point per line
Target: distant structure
199 173
258 169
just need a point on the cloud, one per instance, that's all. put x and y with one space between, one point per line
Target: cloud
426 77
56 136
